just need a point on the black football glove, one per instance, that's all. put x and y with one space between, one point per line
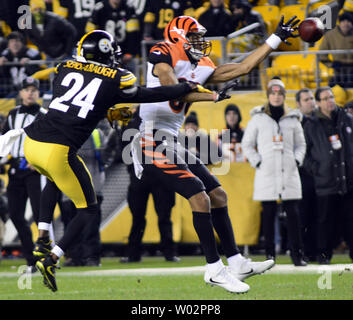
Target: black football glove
223 94
286 30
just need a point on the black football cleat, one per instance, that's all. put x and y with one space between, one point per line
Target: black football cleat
47 267
42 248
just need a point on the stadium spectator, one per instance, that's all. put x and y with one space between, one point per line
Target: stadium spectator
198 142
24 181
13 75
305 102
86 250
216 18
274 144
349 107
52 34
242 16
3 41
160 12
230 138
329 160
120 20
340 38
138 193
76 12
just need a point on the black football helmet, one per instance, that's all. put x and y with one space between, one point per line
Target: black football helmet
100 47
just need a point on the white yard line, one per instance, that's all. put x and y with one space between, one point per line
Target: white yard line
278 269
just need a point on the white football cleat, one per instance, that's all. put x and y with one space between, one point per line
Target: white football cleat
247 268
225 280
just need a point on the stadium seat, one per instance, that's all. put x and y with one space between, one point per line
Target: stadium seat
288 12
348 5
270 15
216 53
297 71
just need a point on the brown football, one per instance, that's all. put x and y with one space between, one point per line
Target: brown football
311 29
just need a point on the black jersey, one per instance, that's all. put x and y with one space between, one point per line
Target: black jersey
160 12
82 94
121 22
78 13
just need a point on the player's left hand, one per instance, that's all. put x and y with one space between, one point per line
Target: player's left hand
223 94
286 30
115 113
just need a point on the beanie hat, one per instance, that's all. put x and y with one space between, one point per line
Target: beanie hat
274 85
192 118
346 16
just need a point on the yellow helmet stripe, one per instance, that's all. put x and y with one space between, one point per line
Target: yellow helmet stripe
79 47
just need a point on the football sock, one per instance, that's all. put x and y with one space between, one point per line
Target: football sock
48 200
75 226
204 229
224 229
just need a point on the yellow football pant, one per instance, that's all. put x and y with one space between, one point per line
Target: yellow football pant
64 167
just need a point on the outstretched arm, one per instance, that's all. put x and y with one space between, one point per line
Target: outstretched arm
229 71
166 76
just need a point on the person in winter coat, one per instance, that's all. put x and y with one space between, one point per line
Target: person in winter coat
305 102
329 159
274 144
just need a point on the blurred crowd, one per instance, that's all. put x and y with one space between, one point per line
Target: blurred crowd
48 30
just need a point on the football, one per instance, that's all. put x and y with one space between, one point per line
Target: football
311 29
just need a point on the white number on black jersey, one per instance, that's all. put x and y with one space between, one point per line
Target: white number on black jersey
81 98
83 8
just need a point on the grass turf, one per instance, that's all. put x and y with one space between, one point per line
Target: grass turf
173 287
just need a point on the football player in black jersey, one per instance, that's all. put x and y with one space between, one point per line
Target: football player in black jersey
84 89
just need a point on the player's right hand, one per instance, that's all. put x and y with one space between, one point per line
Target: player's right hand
286 30
115 113
223 94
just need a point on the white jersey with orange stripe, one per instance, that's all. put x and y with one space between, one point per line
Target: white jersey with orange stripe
170 115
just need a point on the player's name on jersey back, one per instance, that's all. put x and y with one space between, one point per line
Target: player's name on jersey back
105 71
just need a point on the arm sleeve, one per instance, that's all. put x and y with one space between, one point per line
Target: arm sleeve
163 93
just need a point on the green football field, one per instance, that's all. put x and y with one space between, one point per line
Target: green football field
155 279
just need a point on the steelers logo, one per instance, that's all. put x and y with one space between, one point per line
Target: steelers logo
104 45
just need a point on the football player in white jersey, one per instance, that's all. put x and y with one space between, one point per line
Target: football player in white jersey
183 56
